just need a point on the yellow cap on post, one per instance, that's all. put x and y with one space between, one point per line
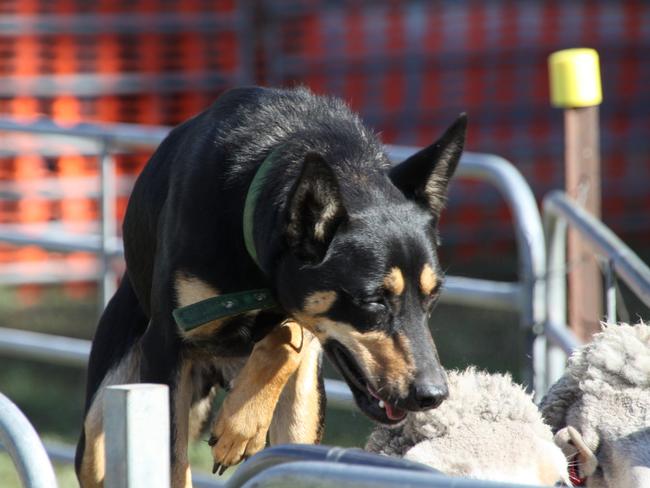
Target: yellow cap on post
575 78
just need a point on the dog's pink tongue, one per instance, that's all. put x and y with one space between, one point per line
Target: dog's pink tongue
394 413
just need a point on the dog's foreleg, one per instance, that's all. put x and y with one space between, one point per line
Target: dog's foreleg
300 414
93 463
245 416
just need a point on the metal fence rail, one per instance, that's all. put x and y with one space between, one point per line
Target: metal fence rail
560 212
526 296
318 474
19 438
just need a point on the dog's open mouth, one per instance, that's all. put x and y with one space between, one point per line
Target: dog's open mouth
367 398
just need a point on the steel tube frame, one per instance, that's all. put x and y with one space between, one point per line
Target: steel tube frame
277 455
68 351
559 212
526 296
20 439
627 265
319 474
108 222
529 292
493 169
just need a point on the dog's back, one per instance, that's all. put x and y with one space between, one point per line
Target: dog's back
224 145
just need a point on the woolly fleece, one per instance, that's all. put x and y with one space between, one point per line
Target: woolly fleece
489 428
605 395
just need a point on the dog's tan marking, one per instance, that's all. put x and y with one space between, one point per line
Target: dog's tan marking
394 281
199 413
428 279
189 290
297 416
246 413
93 464
319 302
386 359
181 474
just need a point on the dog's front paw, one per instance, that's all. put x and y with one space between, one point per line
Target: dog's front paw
236 436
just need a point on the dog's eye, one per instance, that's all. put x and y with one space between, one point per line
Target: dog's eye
374 306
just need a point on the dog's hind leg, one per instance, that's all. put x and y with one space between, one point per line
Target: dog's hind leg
114 359
245 416
182 393
300 413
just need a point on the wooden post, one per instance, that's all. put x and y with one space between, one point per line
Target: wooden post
575 86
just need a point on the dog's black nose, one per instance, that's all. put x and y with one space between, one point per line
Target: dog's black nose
429 395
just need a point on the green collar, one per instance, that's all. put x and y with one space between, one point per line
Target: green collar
251 203
222 306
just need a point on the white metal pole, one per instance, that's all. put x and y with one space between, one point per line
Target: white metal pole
136 425
24 446
108 222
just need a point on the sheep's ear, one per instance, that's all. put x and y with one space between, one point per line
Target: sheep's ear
571 442
424 177
557 401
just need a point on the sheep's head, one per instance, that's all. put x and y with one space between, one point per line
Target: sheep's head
489 429
503 452
600 409
607 439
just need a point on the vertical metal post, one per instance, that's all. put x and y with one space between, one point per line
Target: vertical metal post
555 295
108 222
610 286
575 87
136 422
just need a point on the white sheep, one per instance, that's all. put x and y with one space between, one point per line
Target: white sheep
489 428
600 409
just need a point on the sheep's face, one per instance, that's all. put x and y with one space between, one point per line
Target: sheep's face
609 439
523 459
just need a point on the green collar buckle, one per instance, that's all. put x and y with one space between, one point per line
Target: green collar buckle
199 313
231 304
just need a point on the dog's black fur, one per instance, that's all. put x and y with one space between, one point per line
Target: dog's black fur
333 222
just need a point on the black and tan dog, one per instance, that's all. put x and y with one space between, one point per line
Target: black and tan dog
346 245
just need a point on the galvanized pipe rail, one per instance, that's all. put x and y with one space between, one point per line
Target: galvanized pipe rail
67 351
619 260
19 438
526 297
320 474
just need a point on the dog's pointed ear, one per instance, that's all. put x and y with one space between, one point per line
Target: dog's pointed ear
425 176
314 210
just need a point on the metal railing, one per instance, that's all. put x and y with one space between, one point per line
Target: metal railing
20 440
136 412
525 296
560 213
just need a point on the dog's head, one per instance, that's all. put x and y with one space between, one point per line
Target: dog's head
361 273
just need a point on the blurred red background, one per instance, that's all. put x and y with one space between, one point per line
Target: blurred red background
409 67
